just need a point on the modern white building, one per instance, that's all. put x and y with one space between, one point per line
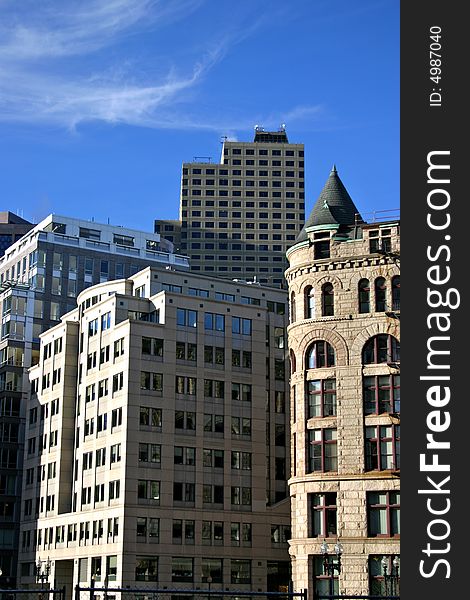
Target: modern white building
156 438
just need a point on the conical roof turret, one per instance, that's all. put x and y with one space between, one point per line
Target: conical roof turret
333 207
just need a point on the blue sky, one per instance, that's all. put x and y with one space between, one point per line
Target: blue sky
102 100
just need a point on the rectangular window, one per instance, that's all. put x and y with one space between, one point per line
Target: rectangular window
381 394
382 447
322 450
185 420
93 327
146 568
151 381
240 571
321 395
214 423
150 453
383 512
91 234
214 388
214 322
115 453
184 456
118 382
186 318
240 496
151 417
105 321
241 326
183 492
148 490
322 515
182 569
118 348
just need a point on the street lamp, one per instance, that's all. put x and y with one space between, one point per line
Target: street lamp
391 579
42 570
330 566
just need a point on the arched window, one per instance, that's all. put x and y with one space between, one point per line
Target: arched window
364 296
382 348
309 300
292 361
380 294
396 293
292 307
327 300
320 354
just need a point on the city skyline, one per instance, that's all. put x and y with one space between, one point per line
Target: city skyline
102 112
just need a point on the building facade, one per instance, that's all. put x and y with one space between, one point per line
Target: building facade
40 277
343 340
12 228
239 216
169 229
156 438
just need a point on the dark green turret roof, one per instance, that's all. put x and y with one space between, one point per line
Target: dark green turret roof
333 207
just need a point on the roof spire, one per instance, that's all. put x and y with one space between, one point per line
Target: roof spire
333 207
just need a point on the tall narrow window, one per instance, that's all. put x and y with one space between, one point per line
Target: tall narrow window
321 397
382 448
396 293
322 450
309 302
292 307
322 512
327 300
380 294
292 361
364 296
383 512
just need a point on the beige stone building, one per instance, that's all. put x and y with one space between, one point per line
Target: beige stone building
343 340
156 438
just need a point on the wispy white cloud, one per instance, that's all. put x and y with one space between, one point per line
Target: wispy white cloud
57 29
37 85
46 48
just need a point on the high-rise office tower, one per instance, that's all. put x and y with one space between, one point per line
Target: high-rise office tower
12 227
344 288
156 438
239 216
40 277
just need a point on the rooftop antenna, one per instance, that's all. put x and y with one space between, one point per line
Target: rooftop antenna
223 138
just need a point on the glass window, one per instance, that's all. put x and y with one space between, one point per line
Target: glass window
320 354
364 296
381 348
380 294
383 511
322 450
328 308
321 396
323 515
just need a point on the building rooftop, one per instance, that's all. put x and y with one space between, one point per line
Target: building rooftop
12 219
333 207
271 137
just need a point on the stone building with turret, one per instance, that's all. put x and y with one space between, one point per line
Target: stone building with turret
343 337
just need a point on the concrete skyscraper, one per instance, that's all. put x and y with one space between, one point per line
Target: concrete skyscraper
239 216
